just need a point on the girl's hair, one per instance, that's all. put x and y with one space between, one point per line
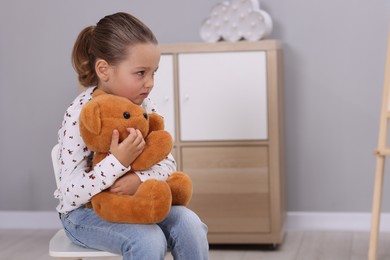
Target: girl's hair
108 40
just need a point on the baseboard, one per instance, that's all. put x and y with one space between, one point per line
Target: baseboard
29 220
353 221
295 220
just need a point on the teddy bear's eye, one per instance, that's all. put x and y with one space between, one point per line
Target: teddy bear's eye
126 115
146 116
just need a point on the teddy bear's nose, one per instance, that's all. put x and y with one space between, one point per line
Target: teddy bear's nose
146 116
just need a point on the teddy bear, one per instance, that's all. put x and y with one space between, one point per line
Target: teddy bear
153 199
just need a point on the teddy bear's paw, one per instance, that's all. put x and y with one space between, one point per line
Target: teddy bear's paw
181 188
105 205
150 204
158 145
153 199
156 122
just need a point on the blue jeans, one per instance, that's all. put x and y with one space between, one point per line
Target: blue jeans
181 231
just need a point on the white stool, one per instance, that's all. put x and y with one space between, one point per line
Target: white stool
60 246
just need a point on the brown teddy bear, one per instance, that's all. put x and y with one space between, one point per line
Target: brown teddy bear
153 199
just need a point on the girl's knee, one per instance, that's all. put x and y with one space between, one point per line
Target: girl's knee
148 245
187 234
190 223
190 217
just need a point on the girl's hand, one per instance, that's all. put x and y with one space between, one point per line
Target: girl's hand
126 185
129 149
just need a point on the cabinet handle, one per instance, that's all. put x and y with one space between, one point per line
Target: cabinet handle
187 97
166 98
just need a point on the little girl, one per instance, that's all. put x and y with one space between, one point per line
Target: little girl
119 56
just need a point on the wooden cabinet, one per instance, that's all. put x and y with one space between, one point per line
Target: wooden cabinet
229 179
223 104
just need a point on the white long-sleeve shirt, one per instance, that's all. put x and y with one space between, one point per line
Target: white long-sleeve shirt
78 183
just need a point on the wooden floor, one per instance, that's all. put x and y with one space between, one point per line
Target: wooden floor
298 245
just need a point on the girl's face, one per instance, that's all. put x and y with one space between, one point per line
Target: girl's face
133 78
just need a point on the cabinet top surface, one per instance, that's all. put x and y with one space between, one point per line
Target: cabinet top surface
264 45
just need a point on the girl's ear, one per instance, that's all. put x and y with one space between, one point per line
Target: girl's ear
102 70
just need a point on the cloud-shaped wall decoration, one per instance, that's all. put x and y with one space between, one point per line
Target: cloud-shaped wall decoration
236 20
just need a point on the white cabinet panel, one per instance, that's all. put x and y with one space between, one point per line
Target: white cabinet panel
223 96
163 94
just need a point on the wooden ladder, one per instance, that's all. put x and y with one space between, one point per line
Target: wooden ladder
381 153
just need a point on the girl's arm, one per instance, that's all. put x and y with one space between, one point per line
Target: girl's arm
129 183
78 183
160 171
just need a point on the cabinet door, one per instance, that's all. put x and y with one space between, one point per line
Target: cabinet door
223 96
231 187
163 92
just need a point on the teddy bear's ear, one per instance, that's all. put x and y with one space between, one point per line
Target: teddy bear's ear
90 118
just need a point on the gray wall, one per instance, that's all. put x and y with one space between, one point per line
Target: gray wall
334 66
